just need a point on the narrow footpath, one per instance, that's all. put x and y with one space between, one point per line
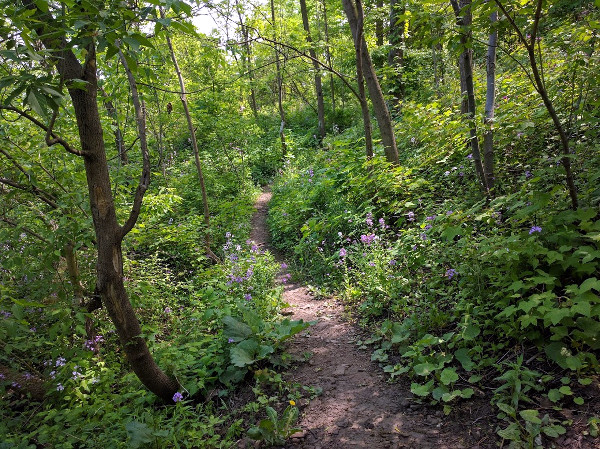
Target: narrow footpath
357 407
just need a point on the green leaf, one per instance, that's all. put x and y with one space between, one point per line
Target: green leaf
421 389
578 400
566 390
462 355
471 331
554 430
448 376
235 329
33 100
588 284
244 353
573 362
530 416
510 411
555 395
423 369
582 307
467 393
138 433
451 396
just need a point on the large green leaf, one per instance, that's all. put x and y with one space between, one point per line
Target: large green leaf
244 353
235 330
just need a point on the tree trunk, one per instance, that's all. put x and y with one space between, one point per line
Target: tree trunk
109 234
463 20
317 69
279 85
529 43
247 60
380 108
188 117
378 23
490 95
328 56
396 53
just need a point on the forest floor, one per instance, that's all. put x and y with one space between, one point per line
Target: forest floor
357 407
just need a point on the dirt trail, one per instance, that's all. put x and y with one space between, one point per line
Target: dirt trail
357 408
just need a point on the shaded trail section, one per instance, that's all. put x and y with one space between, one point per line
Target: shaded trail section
357 408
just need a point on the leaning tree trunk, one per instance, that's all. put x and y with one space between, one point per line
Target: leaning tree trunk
109 234
317 69
188 117
529 42
380 108
463 20
362 97
488 121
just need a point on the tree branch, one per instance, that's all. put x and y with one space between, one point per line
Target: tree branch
55 138
145 175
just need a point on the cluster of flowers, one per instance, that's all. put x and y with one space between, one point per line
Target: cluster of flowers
238 273
92 344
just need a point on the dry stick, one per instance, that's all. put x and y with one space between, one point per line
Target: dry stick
538 85
188 117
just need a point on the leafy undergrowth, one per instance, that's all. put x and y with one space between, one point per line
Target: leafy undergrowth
213 327
463 296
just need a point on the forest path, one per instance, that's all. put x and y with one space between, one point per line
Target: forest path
357 408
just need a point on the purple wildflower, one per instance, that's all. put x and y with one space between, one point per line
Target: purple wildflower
535 229
392 262
368 238
60 387
450 273
284 266
369 219
230 340
343 252
247 296
177 397
411 216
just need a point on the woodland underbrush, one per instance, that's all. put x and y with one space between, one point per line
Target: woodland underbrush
211 326
464 295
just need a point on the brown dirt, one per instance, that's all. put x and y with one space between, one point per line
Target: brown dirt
357 407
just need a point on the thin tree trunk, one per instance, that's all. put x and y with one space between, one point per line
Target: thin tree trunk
279 85
364 106
328 56
247 60
188 117
382 113
317 69
396 53
378 23
488 135
539 85
119 142
463 20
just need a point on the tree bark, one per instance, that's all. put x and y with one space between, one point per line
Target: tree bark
463 15
378 23
247 60
380 108
316 68
488 121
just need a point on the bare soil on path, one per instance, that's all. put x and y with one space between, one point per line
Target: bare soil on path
357 408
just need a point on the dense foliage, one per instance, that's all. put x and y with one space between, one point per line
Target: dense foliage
474 283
